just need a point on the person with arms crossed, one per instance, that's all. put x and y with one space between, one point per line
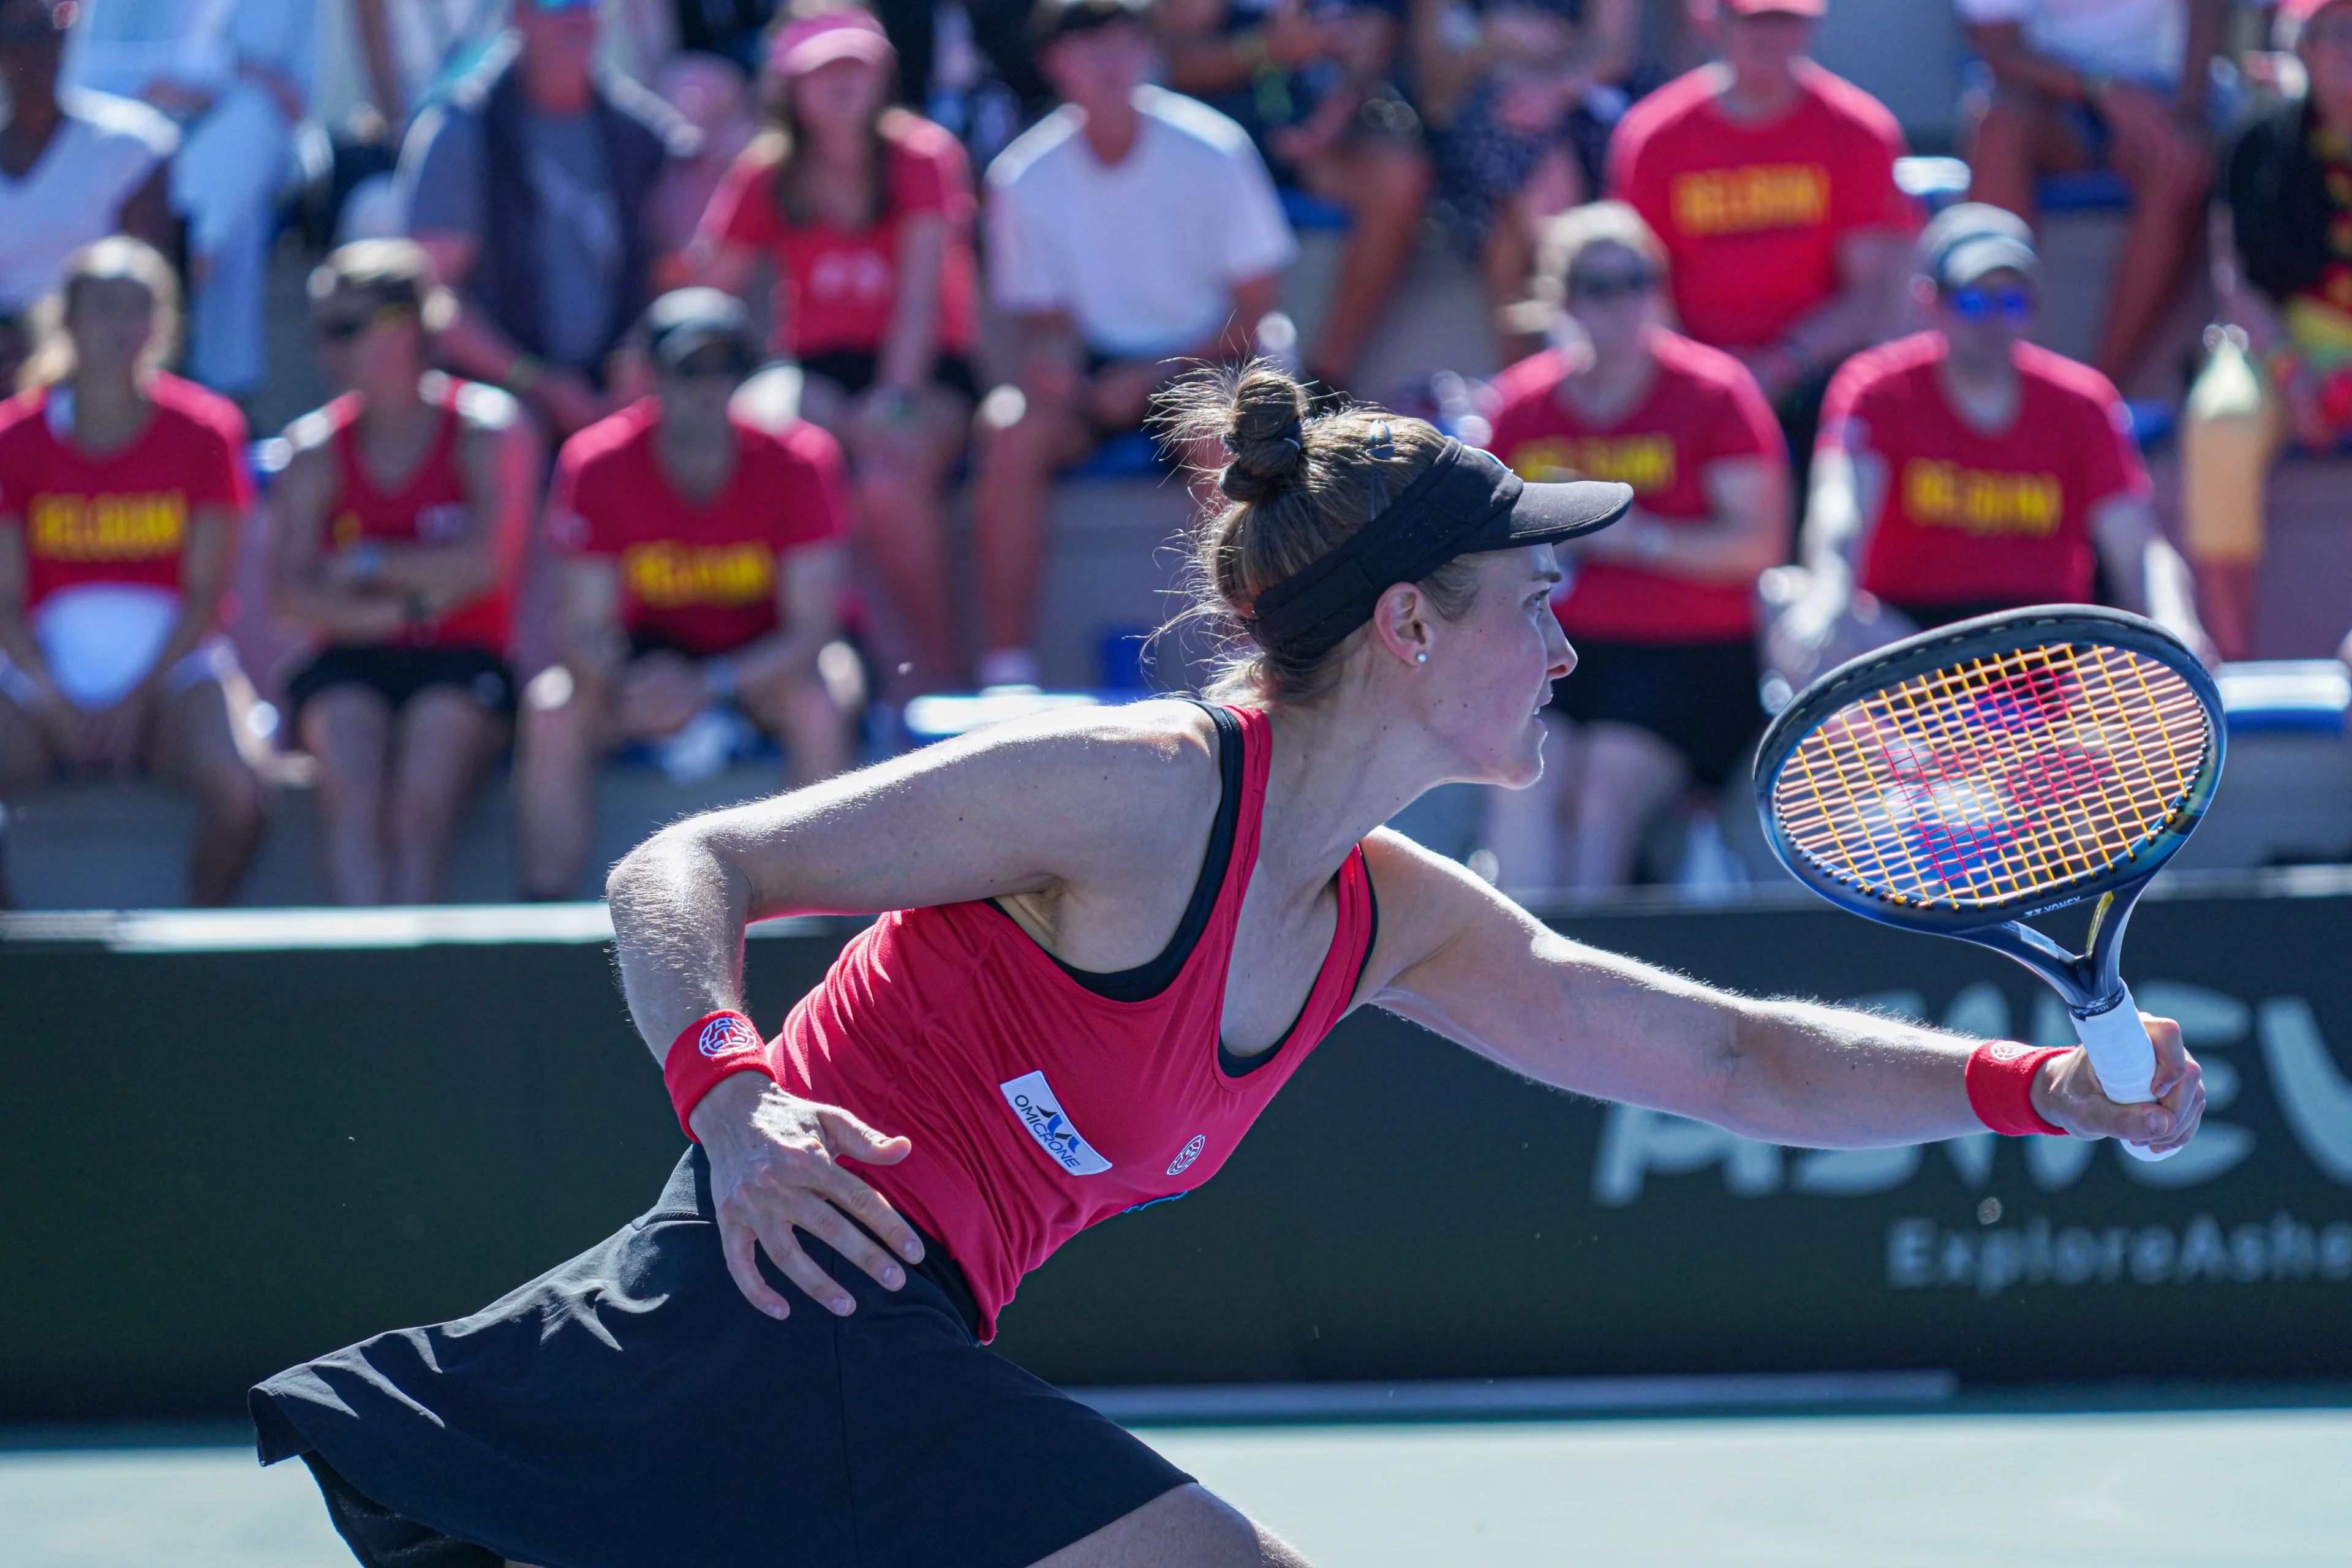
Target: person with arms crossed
701 562
1131 232
531 187
401 521
120 492
2124 84
1963 470
1771 183
864 213
1107 939
1661 606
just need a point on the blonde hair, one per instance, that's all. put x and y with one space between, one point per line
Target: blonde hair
117 256
393 272
1567 238
1298 486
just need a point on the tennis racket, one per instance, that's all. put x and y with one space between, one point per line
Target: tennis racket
1965 779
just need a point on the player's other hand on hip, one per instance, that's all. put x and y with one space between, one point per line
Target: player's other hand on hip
775 1167
2067 1092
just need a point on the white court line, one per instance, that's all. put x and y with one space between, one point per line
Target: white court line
1489 1397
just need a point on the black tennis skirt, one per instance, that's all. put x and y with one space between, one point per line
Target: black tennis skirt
630 1409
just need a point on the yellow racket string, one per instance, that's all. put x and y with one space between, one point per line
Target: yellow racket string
1997 779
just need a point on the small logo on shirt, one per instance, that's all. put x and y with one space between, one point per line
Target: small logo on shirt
1192 1152
723 1035
1033 1100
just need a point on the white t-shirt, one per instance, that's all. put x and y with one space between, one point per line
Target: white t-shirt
102 152
2140 40
1142 253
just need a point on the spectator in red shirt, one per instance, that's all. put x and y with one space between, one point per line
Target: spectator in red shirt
1664 691
1771 183
703 564
121 490
400 519
1964 470
864 213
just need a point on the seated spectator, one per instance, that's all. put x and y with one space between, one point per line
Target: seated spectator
2283 273
1313 82
532 190
864 213
1662 616
2119 84
121 490
1133 233
74 166
1520 98
714 97
400 521
1964 470
702 565
236 80
1771 183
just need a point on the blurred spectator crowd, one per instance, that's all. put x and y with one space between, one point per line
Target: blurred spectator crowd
669 343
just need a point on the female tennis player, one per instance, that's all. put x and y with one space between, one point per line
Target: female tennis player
1059 1018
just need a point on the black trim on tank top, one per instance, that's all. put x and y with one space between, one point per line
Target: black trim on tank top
1149 979
1232 1066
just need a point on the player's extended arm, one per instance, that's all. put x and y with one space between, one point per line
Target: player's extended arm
1472 965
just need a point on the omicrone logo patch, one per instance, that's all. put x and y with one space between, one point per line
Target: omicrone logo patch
728 1033
1033 1102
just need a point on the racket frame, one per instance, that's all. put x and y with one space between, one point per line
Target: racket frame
2089 982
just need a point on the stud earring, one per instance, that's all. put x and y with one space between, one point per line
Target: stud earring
1420 657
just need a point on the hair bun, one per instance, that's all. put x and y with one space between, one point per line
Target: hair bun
1266 434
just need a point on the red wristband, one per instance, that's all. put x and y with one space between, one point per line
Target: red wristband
715 1046
2000 1086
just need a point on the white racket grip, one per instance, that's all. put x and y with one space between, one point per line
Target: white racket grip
2121 1055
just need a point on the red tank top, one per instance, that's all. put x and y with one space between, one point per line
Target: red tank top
429 507
1041 1101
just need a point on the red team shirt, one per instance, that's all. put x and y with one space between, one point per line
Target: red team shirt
702 578
121 518
834 287
1751 215
1036 1106
1968 518
1702 408
430 507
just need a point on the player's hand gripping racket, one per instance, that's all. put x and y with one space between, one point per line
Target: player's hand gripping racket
1963 780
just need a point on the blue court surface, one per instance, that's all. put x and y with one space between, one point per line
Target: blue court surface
1975 1484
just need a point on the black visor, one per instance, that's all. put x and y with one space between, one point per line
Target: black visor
1465 502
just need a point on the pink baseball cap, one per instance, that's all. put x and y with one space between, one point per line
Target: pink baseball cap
849 34
1785 8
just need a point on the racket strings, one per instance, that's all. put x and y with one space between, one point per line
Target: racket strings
1996 778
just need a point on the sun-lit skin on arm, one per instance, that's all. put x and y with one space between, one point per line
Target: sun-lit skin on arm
1477 969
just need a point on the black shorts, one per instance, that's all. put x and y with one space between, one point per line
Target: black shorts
854 370
1699 697
397 674
631 1407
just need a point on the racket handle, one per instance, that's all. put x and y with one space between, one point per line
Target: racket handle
2124 1061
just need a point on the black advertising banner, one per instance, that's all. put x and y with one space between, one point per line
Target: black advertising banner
225 1160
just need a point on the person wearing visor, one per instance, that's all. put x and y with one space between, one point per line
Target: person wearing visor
400 522
1661 607
1108 937
863 212
1963 470
701 562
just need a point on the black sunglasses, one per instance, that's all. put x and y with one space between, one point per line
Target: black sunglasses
343 329
1604 286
